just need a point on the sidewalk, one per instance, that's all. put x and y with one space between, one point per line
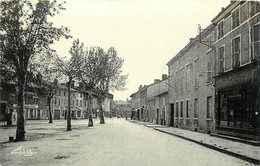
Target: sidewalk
240 150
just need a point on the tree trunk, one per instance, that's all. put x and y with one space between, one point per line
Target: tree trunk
20 131
68 114
90 121
50 115
102 119
101 113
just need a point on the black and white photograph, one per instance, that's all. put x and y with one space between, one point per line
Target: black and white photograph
129 82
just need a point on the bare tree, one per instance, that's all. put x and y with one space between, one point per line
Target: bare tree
71 69
25 31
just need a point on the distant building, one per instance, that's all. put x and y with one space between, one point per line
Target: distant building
157 98
139 104
123 108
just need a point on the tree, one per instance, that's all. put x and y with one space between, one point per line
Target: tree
25 31
110 77
89 74
47 75
71 69
102 73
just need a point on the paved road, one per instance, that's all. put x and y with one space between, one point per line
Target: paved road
117 143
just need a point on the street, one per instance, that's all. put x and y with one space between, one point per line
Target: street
118 142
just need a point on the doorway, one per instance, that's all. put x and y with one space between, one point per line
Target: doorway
172 115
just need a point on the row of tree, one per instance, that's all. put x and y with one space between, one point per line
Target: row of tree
26 36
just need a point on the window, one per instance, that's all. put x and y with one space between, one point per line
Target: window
210 41
254 8
55 100
196 108
35 100
209 106
235 18
181 84
220 30
181 109
256 42
80 103
64 93
236 52
196 73
80 94
177 109
77 103
209 72
58 101
244 12
221 59
188 79
176 85
63 112
187 108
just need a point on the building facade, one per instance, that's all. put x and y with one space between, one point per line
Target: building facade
191 91
237 47
157 98
123 108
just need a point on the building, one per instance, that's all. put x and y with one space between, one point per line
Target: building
191 91
139 104
237 48
35 103
107 105
123 108
157 99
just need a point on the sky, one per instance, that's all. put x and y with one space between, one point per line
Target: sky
145 33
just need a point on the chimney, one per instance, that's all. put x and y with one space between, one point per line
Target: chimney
140 87
127 99
192 39
164 76
156 80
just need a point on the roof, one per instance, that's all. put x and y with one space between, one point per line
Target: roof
224 10
191 42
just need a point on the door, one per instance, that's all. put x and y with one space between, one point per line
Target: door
172 115
157 116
